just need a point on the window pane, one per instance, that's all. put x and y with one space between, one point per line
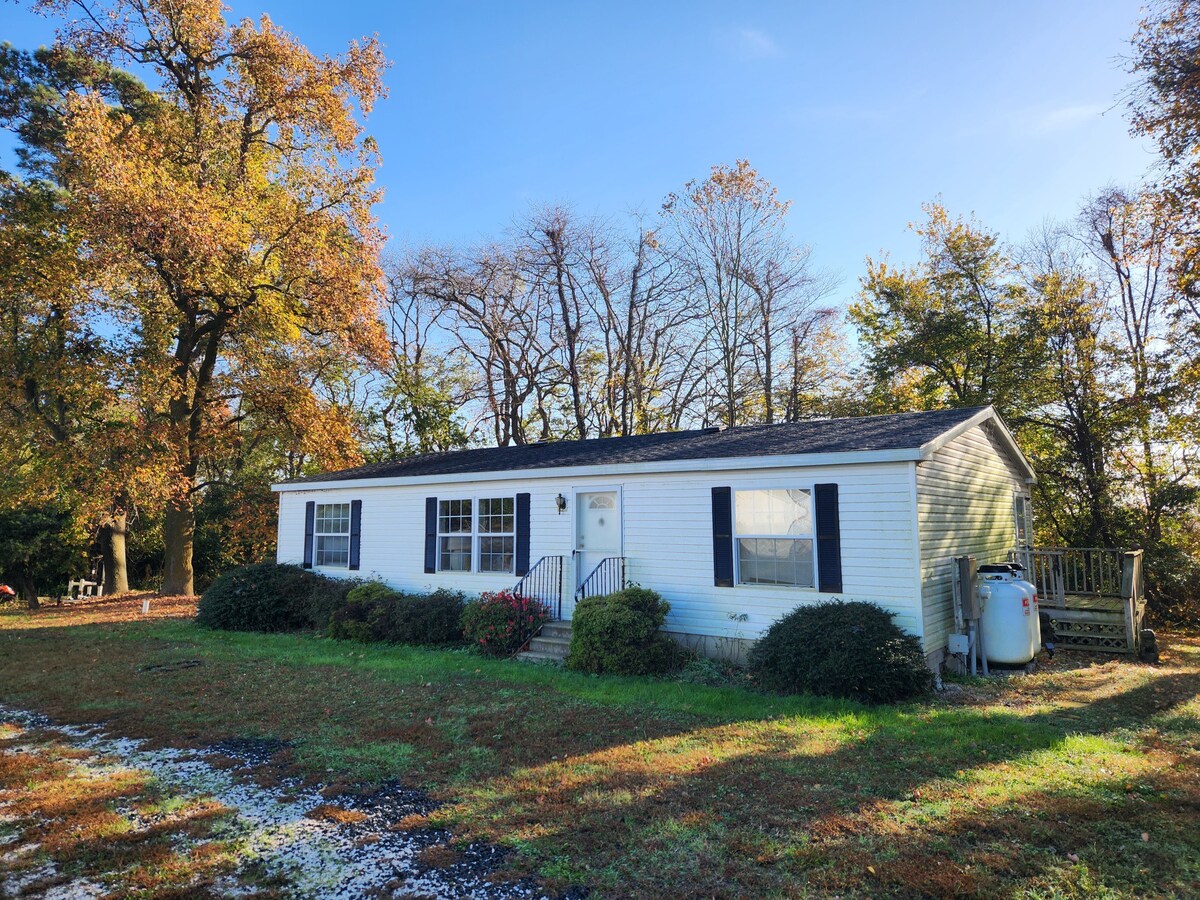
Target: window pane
496 554
454 554
773 512
785 561
454 516
333 518
333 550
496 516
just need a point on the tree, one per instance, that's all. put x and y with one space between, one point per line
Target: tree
752 282
52 331
240 204
953 330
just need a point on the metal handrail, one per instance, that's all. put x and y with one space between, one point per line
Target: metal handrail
543 582
607 578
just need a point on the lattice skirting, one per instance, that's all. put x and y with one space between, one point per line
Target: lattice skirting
1093 630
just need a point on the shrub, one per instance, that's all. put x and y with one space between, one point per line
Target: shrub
704 671
841 649
375 612
618 634
500 623
270 597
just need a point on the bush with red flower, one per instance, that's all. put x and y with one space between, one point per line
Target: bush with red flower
500 623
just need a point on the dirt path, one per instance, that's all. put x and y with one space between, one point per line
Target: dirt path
87 814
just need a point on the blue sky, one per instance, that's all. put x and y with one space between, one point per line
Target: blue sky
857 111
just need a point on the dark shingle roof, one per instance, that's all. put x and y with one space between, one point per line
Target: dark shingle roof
902 431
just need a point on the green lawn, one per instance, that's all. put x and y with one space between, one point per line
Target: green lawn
1082 781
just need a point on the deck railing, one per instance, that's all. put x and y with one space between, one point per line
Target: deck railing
544 582
1094 596
606 578
1081 571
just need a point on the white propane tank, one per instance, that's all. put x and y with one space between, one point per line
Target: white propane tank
1035 625
1009 621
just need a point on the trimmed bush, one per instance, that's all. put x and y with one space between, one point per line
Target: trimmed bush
618 635
841 649
270 597
375 612
500 623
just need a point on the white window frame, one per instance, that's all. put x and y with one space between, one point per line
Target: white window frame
475 535
809 488
318 562
1025 521
480 535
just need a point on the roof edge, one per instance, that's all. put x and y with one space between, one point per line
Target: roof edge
776 461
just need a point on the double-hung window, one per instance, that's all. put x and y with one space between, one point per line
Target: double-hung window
477 535
774 537
497 534
455 535
332 534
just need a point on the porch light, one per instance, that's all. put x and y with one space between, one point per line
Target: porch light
561 502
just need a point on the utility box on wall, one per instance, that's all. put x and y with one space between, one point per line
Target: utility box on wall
968 590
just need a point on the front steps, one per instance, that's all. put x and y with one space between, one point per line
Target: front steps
550 644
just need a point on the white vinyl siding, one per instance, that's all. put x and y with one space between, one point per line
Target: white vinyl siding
965 503
668 542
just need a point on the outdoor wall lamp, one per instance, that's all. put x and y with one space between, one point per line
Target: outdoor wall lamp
561 502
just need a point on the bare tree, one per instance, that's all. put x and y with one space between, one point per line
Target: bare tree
751 280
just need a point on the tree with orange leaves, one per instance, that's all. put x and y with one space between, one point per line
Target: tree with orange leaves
236 211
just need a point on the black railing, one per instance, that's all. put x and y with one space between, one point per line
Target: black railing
607 577
544 582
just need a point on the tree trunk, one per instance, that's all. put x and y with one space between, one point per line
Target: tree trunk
112 545
179 528
28 591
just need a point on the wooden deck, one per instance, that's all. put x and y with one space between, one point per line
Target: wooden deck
1093 597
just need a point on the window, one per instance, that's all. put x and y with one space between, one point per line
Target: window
1023 513
497 534
454 536
773 530
481 531
332 533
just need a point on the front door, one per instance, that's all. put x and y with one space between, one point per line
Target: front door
597 530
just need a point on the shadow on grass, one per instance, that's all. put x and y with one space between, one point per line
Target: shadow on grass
949 802
657 788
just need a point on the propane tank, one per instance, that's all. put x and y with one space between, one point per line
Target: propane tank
1009 621
1035 635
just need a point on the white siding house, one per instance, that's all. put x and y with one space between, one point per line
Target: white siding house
735 528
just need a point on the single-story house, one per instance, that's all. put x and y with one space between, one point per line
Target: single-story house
734 527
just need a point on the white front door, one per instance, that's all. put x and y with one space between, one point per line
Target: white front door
597 530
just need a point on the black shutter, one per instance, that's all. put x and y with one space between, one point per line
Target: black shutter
829 539
310 522
722 528
522 541
431 511
355 532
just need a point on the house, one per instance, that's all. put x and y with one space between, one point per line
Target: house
735 527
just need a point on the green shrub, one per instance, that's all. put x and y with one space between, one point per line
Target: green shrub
500 623
270 597
375 612
704 671
841 649
618 634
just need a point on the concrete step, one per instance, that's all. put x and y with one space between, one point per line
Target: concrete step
534 656
556 630
550 645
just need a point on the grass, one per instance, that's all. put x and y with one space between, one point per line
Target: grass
1078 782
